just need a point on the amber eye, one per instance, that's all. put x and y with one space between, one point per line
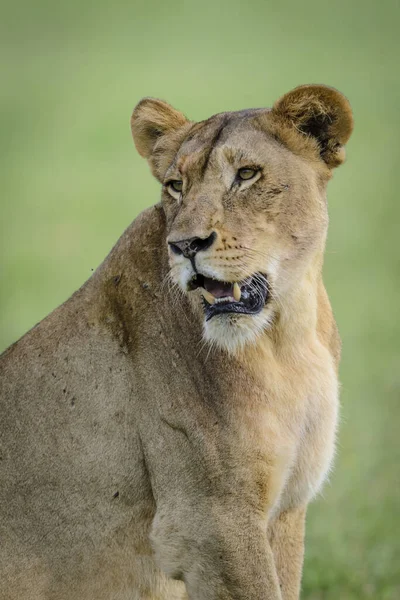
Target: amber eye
246 173
176 185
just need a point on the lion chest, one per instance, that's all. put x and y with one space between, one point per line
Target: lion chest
278 442
266 440
309 424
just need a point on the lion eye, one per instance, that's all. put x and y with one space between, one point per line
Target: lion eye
176 185
246 173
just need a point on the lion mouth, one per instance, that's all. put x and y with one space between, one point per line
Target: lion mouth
246 297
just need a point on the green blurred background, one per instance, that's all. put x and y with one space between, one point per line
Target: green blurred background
71 182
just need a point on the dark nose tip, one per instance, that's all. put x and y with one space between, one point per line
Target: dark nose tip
189 248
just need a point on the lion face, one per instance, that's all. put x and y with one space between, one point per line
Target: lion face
244 198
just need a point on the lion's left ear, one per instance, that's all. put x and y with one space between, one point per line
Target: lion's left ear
157 130
320 112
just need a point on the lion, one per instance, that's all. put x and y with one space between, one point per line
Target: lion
164 430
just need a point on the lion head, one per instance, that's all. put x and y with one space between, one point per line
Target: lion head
244 194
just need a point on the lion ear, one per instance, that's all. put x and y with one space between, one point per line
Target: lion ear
157 128
320 113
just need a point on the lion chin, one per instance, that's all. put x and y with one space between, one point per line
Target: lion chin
232 332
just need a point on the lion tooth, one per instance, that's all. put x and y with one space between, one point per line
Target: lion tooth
237 293
209 297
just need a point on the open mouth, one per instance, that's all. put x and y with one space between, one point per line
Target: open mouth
246 297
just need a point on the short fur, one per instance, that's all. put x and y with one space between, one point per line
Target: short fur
148 455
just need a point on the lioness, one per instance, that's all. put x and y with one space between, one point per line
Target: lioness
163 431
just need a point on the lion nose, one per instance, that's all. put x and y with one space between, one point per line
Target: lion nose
190 247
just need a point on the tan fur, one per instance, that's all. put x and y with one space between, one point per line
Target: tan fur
148 455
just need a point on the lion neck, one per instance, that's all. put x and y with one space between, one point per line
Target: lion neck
297 311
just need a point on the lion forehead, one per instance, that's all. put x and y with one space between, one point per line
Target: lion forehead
230 139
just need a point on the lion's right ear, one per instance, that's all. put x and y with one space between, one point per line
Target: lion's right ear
157 130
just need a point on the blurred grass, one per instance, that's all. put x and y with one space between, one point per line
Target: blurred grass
71 182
